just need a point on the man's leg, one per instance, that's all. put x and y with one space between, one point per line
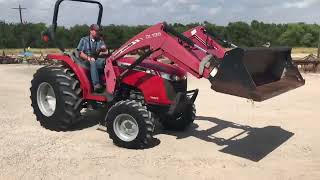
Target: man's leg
100 64
94 73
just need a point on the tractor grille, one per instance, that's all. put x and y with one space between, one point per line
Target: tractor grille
175 87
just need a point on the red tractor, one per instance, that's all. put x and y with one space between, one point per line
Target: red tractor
138 90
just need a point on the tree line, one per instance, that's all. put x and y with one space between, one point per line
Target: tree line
240 33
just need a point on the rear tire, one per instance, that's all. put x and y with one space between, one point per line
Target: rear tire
134 114
65 93
179 122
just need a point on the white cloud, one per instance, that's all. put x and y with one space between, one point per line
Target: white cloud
194 7
300 4
214 11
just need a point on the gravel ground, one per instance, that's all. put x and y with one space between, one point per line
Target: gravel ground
232 138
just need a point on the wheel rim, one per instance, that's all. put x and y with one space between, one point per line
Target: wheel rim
46 99
126 127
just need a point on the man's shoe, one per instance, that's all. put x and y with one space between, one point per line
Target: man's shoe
98 88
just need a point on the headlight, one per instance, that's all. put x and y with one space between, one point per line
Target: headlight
214 72
175 78
171 77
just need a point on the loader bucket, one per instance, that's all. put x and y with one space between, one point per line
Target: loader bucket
257 73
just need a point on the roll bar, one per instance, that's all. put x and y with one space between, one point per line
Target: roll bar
57 7
51 32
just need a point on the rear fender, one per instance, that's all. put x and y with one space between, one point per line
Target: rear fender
80 72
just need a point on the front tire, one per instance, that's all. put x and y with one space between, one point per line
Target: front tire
56 97
130 125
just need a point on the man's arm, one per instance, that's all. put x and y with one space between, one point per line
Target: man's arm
86 57
102 50
81 48
102 46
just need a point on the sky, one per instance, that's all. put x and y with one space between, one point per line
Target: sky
133 12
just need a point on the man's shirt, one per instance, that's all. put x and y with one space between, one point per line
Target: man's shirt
89 45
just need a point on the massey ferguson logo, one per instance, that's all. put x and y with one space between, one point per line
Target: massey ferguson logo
154 35
125 48
120 51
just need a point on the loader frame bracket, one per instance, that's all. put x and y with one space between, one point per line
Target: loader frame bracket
182 101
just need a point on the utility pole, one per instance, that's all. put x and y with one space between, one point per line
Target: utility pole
21 21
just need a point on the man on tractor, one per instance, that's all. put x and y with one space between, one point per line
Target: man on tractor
90 48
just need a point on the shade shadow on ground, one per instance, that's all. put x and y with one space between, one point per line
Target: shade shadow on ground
89 118
251 143
256 144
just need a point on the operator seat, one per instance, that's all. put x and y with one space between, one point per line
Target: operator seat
75 56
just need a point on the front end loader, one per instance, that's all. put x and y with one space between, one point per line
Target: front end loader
254 73
140 89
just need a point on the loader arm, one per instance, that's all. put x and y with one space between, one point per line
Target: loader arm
200 37
162 40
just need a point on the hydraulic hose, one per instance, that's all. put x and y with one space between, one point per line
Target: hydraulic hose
183 38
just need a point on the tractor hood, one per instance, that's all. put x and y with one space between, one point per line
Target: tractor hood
149 64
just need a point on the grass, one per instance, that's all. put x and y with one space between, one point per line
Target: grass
305 50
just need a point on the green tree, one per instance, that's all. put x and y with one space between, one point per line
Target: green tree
292 35
240 33
307 40
243 34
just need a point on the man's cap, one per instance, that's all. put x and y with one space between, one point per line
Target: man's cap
95 27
